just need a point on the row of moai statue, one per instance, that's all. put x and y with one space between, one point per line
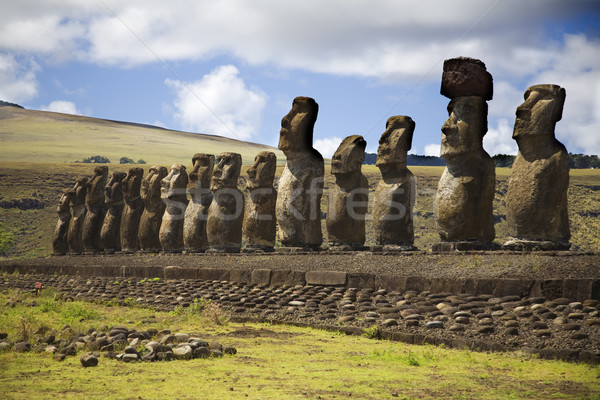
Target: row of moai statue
152 214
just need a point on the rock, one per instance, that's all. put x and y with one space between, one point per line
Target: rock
512 331
22 347
260 221
463 204
173 194
346 318
536 200
181 337
434 325
579 336
576 305
111 227
394 195
183 353
485 329
51 349
164 356
3 335
129 357
543 333
576 316
348 196
94 202
298 204
201 352
571 327
88 360
226 212
132 210
154 208
389 322
457 328
229 350
296 303
539 325
464 76
5 346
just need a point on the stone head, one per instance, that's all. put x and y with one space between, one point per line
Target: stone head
202 170
132 183
113 191
396 141
79 189
96 184
227 171
65 201
262 172
297 126
465 127
151 184
349 156
174 184
540 111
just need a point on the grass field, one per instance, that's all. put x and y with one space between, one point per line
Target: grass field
33 228
273 362
40 136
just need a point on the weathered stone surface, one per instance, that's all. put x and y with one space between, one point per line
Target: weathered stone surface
326 278
94 201
132 212
464 76
111 227
260 222
394 195
301 183
88 360
463 203
226 212
348 196
196 213
78 210
154 209
60 243
536 200
173 194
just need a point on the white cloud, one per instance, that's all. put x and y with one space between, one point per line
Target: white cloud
61 106
220 104
498 140
432 149
327 146
18 82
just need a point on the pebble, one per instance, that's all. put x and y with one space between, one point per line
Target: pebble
435 325
88 360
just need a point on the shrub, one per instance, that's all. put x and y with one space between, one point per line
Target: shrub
140 161
96 160
125 160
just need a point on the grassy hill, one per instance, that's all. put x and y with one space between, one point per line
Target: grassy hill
40 136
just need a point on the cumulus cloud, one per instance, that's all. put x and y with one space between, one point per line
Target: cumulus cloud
220 103
61 106
18 81
432 149
327 146
498 139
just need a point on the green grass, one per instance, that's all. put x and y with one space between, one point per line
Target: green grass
273 362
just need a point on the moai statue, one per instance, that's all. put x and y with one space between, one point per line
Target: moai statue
60 243
348 197
260 223
196 213
173 193
463 203
94 216
78 211
301 183
132 212
154 209
395 193
536 201
226 212
113 192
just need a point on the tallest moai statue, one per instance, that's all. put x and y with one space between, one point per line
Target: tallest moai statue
463 203
536 201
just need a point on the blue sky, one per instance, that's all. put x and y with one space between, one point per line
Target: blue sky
232 68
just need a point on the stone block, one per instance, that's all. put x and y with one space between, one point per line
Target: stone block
240 275
464 76
326 278
287 277
213 274
365 280
261 277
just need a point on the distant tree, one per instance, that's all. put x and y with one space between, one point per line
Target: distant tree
412 159
96 160
140 161
126 160
7 104
579 161
503 160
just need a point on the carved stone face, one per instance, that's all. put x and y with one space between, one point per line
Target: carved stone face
113 190
262 172
80 189
65 200
540 111
227 171
175 183
96 184
202 170
465 127
132 183
296 132
151 184
349 156
396 141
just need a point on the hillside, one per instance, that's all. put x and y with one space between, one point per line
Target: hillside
41 136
